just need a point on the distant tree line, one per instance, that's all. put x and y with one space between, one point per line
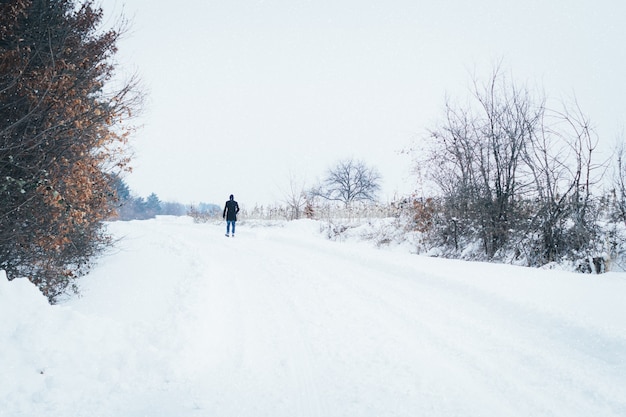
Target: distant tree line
132 207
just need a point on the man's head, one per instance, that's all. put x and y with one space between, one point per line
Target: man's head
232 197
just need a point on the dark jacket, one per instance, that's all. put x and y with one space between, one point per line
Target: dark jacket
231 209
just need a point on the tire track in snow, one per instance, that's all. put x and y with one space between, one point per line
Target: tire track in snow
279 328
214 327
346 364
237 335
493 329
300 361
487 328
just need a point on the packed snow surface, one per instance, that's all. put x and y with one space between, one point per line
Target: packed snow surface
180 321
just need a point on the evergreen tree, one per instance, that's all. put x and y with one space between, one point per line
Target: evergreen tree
153 205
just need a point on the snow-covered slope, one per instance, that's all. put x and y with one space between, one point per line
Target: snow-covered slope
181 321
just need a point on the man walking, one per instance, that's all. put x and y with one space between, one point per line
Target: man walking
230 214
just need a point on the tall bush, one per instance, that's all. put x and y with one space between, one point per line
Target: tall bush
61 135
514 175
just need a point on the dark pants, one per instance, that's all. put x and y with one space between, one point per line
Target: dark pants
228 223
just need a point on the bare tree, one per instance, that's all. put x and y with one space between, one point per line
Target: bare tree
296 197
564 173
619 183
349 181
475 158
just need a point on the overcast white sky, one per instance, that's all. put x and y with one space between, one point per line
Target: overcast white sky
245 94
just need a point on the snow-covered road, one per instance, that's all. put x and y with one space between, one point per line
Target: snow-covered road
281 322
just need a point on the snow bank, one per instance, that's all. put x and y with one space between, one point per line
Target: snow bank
58 362
49 353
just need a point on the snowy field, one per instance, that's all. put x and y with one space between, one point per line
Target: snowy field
180 321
